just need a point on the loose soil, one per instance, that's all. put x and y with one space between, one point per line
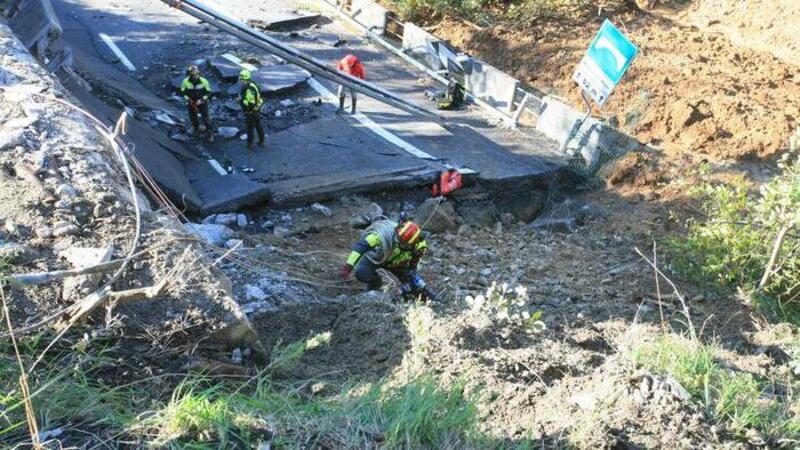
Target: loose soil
694 89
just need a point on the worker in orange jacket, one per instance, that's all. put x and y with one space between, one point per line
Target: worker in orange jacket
351 66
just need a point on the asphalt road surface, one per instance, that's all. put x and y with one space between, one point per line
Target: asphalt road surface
129 51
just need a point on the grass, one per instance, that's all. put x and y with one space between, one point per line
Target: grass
201 412
738 399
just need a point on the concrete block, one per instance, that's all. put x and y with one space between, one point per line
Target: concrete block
277 78
370 14
592 141
490 84
422 45
36 24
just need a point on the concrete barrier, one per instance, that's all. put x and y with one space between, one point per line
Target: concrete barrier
370 14
36 24
421 45
491 85
591 140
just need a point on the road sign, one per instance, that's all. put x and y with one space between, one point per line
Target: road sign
605 62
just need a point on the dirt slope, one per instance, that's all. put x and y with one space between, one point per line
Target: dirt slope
691 90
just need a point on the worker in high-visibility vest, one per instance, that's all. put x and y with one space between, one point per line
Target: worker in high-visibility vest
250 100
196 90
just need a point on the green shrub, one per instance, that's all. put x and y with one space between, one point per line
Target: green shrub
732 244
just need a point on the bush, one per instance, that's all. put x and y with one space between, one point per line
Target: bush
733 243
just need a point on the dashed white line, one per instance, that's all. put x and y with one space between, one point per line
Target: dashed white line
369 123
217 166
123 59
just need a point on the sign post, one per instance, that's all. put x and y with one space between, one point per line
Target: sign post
604 64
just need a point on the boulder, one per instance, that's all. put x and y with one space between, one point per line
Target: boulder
436 216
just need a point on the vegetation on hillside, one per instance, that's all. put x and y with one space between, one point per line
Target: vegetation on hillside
748 241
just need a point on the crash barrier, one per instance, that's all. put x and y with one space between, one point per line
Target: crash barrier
371 14
586 139
589 142
34 22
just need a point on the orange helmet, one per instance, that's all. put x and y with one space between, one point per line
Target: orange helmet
409 232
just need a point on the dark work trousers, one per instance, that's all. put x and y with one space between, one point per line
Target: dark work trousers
367 272
252 122
202 110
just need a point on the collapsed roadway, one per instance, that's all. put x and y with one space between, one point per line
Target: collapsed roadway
312 154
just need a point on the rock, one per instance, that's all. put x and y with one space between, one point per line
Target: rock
233 105
213 233
66 230
227 132
676 389
210 219
15 253
224 68
286 103
507 219
555 225
241 220
755 438
257 307
226 219
79 258
436 216
233 243
253 292
281 231
236 356
11 138
370 296
322 209
44 232
318 388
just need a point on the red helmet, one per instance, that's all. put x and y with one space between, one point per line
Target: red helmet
409 232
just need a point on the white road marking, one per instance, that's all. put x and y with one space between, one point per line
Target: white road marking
217 167
123 59
239 62
369 123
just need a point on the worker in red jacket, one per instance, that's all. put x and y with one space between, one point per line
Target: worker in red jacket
351 66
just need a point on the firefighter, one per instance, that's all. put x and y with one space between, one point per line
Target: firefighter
351 66
197 92
250 100
396 247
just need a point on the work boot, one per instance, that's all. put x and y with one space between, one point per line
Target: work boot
353 108
211 137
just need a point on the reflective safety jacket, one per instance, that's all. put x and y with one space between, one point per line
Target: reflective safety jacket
199 89
250 98
372 246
